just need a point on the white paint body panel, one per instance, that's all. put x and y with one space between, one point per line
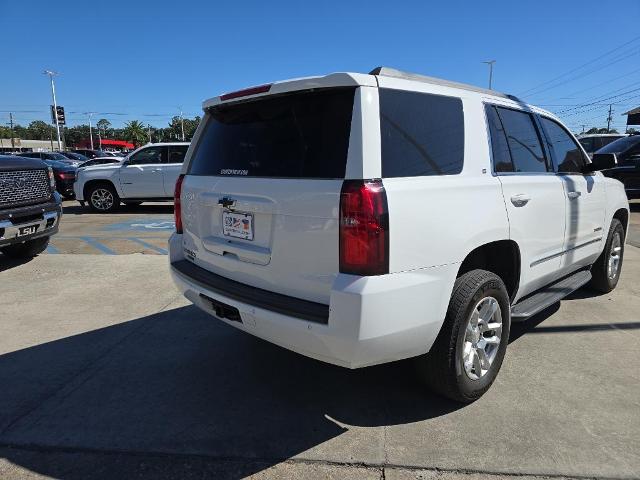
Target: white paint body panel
435 222
133 181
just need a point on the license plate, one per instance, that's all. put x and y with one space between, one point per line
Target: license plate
30 230
238 225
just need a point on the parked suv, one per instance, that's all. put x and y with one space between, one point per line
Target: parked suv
147 174
361 219
30 208
627 169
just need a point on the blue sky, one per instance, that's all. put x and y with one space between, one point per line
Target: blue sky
143 60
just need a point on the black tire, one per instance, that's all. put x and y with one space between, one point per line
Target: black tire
103 198
443 367
601 280
28 249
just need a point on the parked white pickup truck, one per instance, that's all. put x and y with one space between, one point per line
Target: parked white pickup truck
361 219
147 174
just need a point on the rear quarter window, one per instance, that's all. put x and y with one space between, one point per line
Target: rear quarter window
421 134
296 135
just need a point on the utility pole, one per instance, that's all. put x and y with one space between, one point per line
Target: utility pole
51 74
149 132
182 123
609 120
13 142
583 129
490 63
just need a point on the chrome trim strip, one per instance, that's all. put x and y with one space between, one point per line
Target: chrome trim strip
11 231
556 255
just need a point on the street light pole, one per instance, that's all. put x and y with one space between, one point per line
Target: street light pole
181 123
490 63
51 74
90 129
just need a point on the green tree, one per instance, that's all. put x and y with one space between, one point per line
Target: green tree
174 132
38 130
74 135
135 132
103 125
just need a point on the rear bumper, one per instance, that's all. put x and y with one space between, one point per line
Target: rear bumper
371 320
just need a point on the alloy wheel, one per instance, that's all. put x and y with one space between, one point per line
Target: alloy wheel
102 199
482 338
614 256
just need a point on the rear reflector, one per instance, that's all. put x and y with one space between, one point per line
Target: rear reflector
246 92
177 206
364 228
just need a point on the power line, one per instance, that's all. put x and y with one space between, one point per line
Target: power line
599 100
571 79
581 66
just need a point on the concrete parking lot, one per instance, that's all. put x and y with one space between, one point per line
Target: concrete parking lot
142 229
107 372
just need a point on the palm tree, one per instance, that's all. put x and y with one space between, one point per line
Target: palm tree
135 132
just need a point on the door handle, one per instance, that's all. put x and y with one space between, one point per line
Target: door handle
573 195
520 200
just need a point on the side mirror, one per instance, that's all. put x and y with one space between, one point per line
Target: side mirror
601 161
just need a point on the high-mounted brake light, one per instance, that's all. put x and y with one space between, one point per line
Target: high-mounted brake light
177 206
364 228
246 92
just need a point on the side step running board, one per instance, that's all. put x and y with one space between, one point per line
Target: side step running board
549 295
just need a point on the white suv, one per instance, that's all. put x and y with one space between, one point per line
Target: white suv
361 219
147 174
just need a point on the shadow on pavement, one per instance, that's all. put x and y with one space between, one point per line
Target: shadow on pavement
164 208
7 263
180 382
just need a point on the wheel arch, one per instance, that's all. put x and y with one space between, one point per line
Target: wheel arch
93 183
622 214
501 257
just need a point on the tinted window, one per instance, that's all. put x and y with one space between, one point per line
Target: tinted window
499 147
297 135
177 153
421 134
523 141
603 141
565 151
588 144
148 156
621 145
56 156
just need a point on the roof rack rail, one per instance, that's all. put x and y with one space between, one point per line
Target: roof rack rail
392 72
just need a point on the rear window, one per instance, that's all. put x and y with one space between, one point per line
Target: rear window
296 135
421 134
621 145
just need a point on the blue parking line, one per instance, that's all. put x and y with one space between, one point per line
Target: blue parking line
52 249
161 251
94 243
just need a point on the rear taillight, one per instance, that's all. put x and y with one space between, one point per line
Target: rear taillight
177 207
67 176
364 228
